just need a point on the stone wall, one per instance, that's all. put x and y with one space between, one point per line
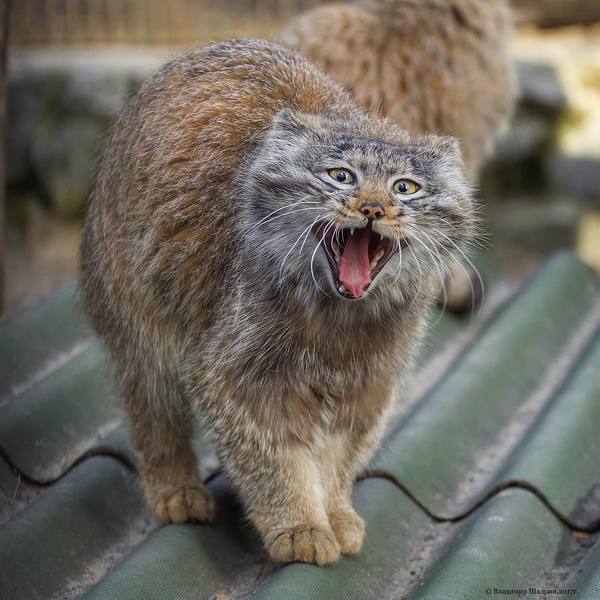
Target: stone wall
61 105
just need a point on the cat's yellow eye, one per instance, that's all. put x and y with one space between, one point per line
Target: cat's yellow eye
406 187
341 175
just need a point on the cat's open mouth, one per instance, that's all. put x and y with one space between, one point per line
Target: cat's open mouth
355 256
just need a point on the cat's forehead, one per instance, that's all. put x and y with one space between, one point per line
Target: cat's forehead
375 156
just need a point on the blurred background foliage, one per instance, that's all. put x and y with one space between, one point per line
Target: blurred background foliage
73 63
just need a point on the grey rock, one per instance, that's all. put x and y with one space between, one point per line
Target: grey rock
578 176
60 103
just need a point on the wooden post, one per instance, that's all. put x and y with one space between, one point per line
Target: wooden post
4 17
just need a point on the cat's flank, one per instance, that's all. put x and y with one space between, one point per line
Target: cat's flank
261 254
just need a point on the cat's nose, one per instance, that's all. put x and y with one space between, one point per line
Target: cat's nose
372 210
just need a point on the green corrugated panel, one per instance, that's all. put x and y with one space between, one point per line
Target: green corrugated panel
55 421
71 533
441 443
516 543
561 454
507 545
435 450
33 342
187 561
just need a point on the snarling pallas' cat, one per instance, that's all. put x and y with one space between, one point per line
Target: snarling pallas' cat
260 254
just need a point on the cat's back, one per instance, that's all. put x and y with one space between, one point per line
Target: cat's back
434 66
160 231
205 109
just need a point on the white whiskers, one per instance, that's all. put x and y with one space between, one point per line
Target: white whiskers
306 231
328 226
310 205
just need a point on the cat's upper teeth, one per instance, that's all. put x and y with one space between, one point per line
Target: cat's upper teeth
342 289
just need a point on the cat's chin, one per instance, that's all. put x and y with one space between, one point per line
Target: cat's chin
355 257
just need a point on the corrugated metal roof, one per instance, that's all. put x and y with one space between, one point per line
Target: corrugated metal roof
497 450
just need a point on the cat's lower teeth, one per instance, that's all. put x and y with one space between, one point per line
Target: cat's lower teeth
376 259
342 289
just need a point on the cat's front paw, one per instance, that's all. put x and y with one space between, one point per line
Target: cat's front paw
180 504
304 543
349 529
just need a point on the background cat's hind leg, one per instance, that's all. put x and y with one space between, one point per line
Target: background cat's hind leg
464 289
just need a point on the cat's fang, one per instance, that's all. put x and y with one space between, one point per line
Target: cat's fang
375 260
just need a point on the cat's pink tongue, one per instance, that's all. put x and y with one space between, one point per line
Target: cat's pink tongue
355 274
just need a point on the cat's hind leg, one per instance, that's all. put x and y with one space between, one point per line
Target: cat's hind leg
161 423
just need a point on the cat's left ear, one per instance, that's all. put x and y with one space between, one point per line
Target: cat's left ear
285 137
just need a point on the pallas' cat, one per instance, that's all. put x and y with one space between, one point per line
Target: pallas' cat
261 254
